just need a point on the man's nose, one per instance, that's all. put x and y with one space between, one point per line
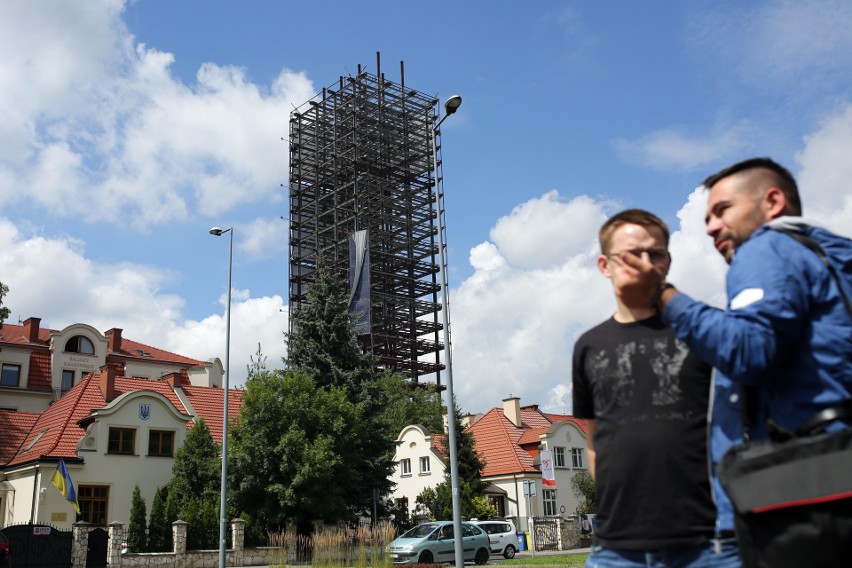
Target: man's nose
713 226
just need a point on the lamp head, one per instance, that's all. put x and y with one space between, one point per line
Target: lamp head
453 103
217 231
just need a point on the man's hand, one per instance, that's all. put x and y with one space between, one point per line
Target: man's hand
644 282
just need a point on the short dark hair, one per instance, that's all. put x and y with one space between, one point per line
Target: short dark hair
630 217
781 177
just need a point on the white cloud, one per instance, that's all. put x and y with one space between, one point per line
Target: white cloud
671 149
264 238
97 127
826 171
52 278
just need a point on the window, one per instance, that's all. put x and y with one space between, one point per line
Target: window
11 375
121 441
161 443
577 457
94 503
405 466
67 380
548 499
497 502
559 457
424 464
80 344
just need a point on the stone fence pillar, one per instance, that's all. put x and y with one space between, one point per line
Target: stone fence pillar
80 544
116 535
238 535
179 538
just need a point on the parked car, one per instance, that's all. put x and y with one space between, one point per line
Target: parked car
5 553
433 542
502 535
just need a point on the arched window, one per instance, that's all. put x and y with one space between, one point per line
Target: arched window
80 344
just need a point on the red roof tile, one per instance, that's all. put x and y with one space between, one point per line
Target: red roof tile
39 378
15 427
208 404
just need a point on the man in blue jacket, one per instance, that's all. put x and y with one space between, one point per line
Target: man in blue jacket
786 333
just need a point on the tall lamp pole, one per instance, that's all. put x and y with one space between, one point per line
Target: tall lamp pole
451 106
222 500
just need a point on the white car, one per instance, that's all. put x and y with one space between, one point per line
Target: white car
433 542
502 535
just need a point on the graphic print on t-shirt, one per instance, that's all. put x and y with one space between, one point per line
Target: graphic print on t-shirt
666 366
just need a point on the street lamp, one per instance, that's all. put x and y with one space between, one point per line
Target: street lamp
451 106
216 231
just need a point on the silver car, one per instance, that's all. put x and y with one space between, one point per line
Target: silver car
433 542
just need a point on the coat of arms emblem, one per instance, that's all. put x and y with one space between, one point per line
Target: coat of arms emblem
144 411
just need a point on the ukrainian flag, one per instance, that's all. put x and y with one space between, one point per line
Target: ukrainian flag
62 481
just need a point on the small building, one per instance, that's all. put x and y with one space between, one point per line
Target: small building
508 439
113 409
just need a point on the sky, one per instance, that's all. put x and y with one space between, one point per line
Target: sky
129 129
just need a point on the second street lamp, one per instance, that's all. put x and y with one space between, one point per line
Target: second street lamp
451 106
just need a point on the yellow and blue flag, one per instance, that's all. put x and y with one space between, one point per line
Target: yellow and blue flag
62 481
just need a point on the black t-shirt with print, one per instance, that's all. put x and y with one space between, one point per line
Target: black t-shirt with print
648 395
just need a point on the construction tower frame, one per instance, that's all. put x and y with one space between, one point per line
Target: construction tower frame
363 181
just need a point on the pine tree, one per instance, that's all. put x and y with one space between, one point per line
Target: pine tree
136 538
159 527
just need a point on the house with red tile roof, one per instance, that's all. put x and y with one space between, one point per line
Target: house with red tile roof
113 429
509 440
39 365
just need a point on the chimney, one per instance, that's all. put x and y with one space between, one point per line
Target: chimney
114 336
512 410
176 378
31 329
108 374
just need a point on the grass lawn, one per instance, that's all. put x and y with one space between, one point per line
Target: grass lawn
567 560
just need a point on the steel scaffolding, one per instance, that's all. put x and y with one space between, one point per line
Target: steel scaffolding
361 164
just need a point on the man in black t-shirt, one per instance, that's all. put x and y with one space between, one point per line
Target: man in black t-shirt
645 398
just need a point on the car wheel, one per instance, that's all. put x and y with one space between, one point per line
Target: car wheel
425 557
509 553
482 556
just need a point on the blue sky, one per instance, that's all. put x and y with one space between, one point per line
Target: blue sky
128 129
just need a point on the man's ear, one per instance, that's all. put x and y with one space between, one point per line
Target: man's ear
774 203
603 265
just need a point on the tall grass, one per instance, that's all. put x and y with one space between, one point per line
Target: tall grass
333 547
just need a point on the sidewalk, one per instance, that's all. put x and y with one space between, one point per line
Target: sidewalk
573 551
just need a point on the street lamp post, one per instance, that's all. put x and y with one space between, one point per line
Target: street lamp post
451 106
222 500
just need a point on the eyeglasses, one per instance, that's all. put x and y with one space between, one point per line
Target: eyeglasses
656 256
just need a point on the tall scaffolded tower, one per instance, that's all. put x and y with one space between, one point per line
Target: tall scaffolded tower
363 205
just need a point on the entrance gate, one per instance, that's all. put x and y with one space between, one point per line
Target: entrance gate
96 556
545 533
39 546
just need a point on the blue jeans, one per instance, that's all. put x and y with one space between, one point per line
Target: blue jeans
703 556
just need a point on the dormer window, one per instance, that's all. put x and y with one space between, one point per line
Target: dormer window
80 344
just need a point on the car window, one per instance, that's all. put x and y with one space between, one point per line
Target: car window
419 531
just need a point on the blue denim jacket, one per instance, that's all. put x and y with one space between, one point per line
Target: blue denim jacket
786 332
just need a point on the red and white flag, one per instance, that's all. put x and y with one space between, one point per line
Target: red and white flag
548 476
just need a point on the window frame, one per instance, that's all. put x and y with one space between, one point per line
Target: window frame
82 341
405 466
161 434
3 367
93 499
577 458
559 457
68 373
120 450
424 460
548 502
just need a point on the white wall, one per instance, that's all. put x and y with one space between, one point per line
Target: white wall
413 443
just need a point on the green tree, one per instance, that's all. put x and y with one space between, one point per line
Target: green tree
4 311
159 527
583 487
324 345
293 450
136 539
257 364
195 485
